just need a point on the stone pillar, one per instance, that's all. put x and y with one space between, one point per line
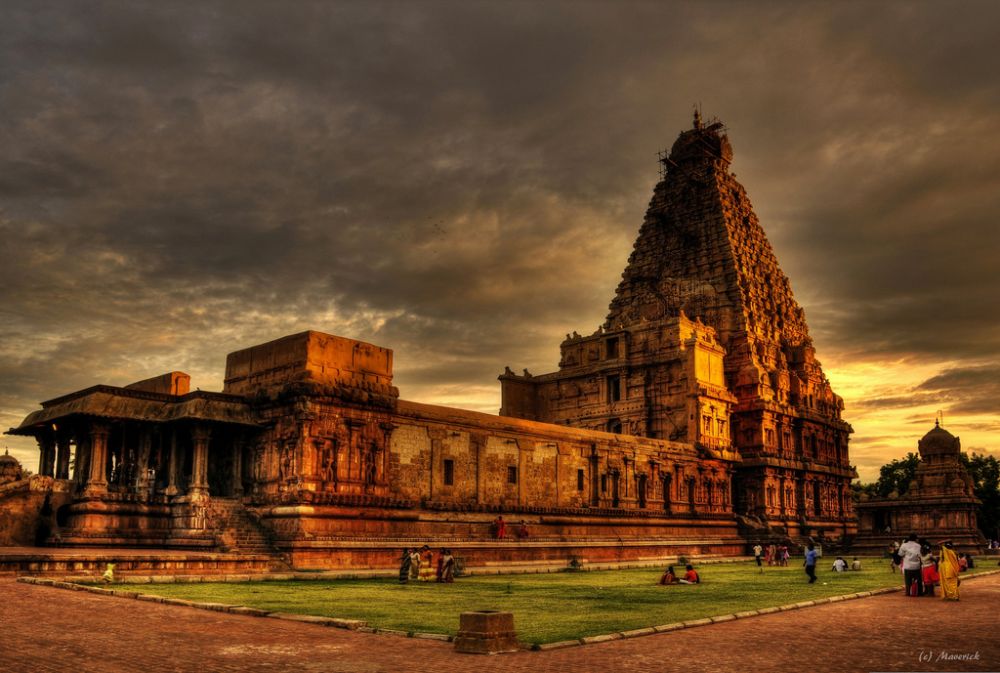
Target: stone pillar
47 454
172 465
62 458
199 461
97 481
81 466
238 467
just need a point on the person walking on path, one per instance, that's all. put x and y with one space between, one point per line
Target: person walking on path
928 570
948 570
810 562
910 554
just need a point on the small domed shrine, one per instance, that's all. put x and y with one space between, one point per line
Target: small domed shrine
10 469
939 504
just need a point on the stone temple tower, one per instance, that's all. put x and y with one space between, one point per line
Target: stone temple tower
702 270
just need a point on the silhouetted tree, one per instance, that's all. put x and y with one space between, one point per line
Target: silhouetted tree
897 475
985 473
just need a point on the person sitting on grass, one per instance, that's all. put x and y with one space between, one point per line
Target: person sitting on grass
668 576
840 565
109 574
856 564
690 577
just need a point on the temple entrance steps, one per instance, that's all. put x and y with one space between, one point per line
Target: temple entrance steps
236 528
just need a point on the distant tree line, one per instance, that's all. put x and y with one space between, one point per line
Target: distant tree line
984 470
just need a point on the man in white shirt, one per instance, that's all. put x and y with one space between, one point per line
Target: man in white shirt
910 553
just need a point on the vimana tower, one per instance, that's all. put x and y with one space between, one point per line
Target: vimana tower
702 265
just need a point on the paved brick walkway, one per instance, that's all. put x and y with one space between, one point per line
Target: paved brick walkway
48 629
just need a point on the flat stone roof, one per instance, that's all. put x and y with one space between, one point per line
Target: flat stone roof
111 402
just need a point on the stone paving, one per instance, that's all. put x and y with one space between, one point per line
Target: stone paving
46 629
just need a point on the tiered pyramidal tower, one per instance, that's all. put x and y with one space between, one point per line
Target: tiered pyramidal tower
705 343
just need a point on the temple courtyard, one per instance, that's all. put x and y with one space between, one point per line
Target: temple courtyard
549 607
52 629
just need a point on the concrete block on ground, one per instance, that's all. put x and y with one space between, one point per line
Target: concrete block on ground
635 633
486 632
603 638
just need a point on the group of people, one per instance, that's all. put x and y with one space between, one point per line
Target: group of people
773 555
840 565
690 576
498 529
923 569
418 564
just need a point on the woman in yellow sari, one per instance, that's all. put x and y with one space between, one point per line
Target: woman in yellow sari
426 565
948 570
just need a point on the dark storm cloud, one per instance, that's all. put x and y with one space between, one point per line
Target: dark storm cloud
462 181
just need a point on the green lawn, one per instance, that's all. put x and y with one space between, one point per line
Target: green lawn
548 607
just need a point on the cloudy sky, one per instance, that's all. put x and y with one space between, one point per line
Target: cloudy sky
463 181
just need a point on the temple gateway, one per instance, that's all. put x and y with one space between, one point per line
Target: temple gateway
693 421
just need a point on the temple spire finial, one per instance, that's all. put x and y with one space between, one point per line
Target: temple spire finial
697 117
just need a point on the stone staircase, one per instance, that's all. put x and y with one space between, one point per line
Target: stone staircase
237 530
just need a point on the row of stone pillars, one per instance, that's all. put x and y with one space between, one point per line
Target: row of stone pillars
92 459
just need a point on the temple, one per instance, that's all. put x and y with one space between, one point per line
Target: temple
703 277
695 420
939 504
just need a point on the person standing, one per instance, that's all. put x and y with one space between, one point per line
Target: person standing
415 564
910 553
427 570
757 551
928 570
447 567
404 567
948 570
810 562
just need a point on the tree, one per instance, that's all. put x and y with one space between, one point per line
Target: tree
985 473
897 475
